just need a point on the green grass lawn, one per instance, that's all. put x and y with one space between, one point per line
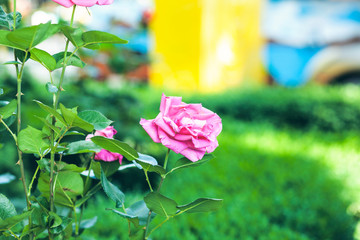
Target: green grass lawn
287 166
276 184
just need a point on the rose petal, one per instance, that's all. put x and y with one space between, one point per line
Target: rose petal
212 147
108 132
160 122
193 154
168 102
65 3
107 156
151 128
85 3
104 2
173 144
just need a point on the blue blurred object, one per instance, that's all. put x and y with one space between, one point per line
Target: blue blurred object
286 64
138 42
298 30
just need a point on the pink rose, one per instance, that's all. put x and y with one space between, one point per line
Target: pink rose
83 3
188 129
105 155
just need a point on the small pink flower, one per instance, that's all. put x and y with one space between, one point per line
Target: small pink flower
106 155
83 3
188 129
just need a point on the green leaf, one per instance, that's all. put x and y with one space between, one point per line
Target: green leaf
69 185
63 167
160 204
136 213
4 40
72 61
7 209
28 37
12 62
46 122
141 211
22 55
7 19
12 221
30 140
185 163
94 37
40 213
51 111
74 35
202 205
116 146
44 164
149 164
109 168
43 58
82 147
74 133
112 191
8 110
65 221
96 118
54 220
95 46
73 120
88 195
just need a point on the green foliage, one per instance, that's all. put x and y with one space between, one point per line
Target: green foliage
202 205
82 146
27 38
112 191
96 118
44 58
71 60
7 209
31 141
137 213
186 163
8 110
69 185
116 146
326 109
73 120
160 204
149 164
7 19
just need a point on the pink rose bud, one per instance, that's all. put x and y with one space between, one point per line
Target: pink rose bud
105 155
83 3
188 129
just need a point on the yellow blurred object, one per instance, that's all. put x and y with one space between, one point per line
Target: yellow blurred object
206 45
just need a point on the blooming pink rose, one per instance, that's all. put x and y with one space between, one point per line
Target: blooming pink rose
106 155
188 129
83 3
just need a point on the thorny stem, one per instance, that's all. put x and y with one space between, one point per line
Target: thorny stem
19 75
60 89
158 190
20 162
148 181
53 146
